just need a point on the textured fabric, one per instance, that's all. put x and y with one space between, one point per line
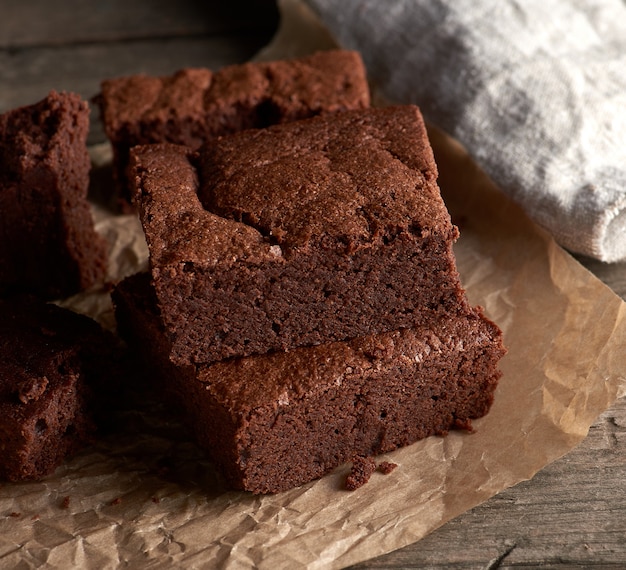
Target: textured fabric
534 89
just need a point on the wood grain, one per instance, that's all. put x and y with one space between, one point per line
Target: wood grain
570 515
75 48
35 23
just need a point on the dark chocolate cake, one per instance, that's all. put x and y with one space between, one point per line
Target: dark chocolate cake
299 234
52 363
48 244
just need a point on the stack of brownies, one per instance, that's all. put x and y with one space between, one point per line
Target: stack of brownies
302 300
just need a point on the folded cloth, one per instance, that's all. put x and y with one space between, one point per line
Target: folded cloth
534 89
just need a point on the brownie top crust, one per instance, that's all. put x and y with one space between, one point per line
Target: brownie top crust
342 182
177 228
245 384
325 81
354 178
193 105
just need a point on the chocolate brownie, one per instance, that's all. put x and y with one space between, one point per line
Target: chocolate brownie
52 361
196 105
271 422
303 233
48 244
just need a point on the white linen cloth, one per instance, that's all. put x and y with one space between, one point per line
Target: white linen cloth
534 89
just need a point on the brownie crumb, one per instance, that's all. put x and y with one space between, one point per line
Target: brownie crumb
116 501
386 467
465 424
221 391
362 469
65 503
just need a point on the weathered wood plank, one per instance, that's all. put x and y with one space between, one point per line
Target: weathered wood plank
36 23
570 515
26 76
612 274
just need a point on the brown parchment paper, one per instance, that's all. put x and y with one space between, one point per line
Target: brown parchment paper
144 497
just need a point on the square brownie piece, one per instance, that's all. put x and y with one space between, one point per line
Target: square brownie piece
299 234
275 421
196 105
48 244
52 362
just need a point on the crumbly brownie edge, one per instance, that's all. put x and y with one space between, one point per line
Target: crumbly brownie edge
376 405
49 432
310 301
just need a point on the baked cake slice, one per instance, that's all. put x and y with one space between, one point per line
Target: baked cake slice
275 421
52 362
48 244
305 233
196 105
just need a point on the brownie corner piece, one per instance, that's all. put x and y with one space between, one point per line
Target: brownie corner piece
48 243
53 370
298 234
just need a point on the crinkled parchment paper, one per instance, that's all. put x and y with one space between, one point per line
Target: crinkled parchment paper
144 496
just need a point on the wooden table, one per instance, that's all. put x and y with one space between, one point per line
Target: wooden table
572 513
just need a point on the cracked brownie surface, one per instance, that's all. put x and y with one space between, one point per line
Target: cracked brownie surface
196 105
309 232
